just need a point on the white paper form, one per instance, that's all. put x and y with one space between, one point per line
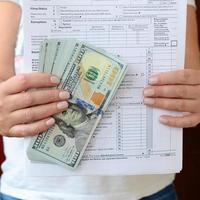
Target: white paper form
150 36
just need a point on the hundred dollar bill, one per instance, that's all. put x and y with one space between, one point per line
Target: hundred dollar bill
42 57
51 54
64 56
92 76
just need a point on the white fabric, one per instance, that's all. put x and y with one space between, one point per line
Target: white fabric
15 182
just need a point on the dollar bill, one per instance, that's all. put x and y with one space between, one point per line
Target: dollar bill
51 54
64 55
92 76
42 56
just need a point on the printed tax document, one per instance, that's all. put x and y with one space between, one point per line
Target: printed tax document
150 36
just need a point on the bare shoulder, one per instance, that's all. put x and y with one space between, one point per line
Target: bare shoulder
10 7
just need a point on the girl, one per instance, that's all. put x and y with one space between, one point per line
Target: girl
25 113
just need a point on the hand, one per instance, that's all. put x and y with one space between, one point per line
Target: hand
26 112
176 91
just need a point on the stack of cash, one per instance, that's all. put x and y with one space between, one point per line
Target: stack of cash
92 76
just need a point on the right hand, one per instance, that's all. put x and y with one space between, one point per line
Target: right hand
25 111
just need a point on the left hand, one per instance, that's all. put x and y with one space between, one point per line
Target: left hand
176 91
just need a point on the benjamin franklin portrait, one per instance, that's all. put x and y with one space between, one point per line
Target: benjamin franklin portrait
76 123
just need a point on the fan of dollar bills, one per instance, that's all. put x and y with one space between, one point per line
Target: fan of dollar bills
92 76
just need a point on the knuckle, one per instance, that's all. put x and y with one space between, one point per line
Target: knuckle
28 98
29 116
54 94
23 131
177 123
157 102
185 75
182 91
181 106
162 91
161 103
54 110
157 91
37 129
45 76
22 80
18 132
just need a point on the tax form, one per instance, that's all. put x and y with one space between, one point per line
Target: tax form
147 34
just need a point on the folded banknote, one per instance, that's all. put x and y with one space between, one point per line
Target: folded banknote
92 76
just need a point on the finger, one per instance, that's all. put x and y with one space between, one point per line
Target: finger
24 82
33 98
187 76
173 91
31 129
37 113
181 122
181 105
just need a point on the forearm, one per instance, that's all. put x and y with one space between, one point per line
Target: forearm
192 46
9 23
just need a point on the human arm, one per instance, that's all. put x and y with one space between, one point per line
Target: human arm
23 111
9 23
180 90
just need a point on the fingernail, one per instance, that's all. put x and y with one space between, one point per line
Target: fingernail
62 105
55 80
50 122
149 92
153 80
163 120
149 101
64 95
